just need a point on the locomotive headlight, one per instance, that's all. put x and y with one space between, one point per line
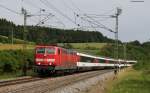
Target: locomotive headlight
50 63
39 63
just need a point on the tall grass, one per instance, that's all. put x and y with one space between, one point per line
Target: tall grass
88 45
131 81
14 46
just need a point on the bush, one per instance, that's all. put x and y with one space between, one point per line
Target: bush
12 60
142 65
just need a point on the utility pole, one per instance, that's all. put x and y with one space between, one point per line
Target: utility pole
12 36
24 69
25 31
24 12
125 52
116 16
116 34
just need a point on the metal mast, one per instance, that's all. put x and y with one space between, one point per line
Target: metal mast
24 69
116 16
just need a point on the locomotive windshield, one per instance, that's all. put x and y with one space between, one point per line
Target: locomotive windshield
40 50
50 50
45 50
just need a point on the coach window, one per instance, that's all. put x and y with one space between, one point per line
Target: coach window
112 62
86 59
101 60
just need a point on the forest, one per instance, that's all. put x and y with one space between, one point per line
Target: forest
46 35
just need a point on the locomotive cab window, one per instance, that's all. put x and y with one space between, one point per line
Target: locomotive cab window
50 50
40 50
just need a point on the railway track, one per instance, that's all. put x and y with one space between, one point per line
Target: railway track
18 81
55 83
72 80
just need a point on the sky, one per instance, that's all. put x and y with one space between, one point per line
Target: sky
134 21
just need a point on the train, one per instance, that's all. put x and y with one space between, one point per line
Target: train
51 58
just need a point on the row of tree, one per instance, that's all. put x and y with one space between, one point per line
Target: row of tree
48 35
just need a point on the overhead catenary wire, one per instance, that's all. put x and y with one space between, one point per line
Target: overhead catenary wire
77 14
45 19
32 4
99 24
35 14
47 15
13 11
102 17
91 18
48 4
105 14
51 6
97 18
73 4
67 6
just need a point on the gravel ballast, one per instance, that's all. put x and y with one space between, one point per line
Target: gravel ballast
85 85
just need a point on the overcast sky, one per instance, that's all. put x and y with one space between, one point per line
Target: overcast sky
134 22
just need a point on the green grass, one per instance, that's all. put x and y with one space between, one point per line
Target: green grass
91 52
15 40
6 76
83 47
132 81
14 46
88 48
87 45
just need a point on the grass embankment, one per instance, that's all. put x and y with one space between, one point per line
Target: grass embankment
83 47
18 44
14 46
12 75
89 48
87 45
131 81
5 39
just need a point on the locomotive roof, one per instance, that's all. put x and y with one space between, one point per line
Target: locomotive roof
45 46
69 50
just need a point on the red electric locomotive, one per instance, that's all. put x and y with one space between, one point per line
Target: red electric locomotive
52 58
